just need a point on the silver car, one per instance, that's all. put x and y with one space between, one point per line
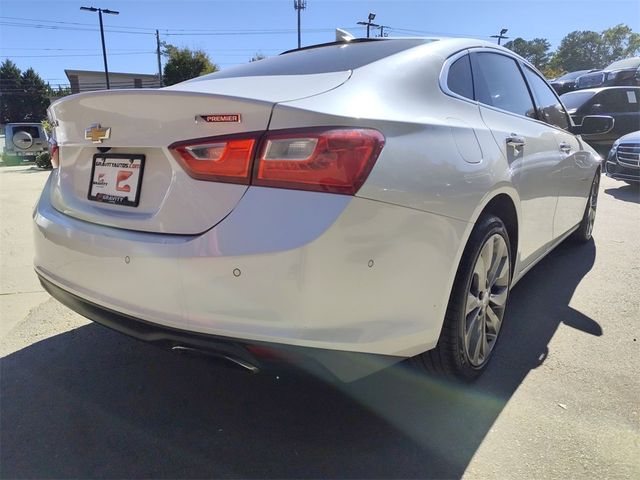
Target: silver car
342 207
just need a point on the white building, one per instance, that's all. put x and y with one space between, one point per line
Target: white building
86 80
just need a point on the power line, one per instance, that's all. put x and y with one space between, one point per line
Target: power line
75 29
77 26
69 23
67 49
76 55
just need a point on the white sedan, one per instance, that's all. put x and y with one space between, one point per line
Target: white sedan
343 206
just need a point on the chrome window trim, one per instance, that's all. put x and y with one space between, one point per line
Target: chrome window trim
444 77
444 73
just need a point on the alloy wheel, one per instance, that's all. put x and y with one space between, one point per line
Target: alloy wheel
486 300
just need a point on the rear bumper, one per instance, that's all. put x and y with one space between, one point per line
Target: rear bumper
291 268
253 356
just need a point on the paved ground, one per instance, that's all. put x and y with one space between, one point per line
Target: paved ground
561 399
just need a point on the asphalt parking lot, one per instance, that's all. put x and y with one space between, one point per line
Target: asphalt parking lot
560 400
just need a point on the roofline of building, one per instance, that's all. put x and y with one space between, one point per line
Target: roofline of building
128 74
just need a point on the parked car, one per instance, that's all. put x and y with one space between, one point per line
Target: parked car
347 205
623 161
621 73
567 82
621 103
23 142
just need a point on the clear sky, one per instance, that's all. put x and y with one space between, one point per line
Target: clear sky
53 35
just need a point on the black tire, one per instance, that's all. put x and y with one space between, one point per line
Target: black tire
449 358
584 233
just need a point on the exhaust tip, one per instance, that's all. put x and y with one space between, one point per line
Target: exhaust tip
238 362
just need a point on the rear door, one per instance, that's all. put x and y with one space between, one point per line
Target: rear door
529 146
576 168
624 105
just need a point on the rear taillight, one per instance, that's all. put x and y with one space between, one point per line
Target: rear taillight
54 152
218 159
336 160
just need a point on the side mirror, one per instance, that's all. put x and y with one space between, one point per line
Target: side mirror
595 124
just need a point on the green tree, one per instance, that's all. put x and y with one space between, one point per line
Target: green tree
184 64
35 96
24 96
581 50
10 90
619 42
535 51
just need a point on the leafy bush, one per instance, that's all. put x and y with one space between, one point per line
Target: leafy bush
43 160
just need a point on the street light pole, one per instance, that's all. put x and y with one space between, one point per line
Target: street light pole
369 23
104 48
501 35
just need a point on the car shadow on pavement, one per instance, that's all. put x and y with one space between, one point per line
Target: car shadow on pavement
626 193
92 403
24 169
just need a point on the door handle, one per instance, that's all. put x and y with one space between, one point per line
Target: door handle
515 141
565 147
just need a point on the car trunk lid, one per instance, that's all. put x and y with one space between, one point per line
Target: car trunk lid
115 126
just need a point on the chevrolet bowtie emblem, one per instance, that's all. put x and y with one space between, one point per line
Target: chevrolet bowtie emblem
96 133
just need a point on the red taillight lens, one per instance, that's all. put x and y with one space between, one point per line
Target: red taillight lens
220 159
54 152
334 160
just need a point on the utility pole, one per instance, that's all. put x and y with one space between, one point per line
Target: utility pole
104 48
501 35
299 5
158 54
369 23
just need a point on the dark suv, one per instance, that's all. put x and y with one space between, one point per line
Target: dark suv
621 103
623 72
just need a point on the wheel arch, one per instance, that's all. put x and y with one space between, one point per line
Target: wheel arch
503 207
503 202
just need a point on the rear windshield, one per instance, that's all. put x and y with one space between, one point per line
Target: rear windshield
633 62
32 130
330 58
574 100
572 75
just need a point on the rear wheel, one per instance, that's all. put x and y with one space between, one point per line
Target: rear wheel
476 307
584 232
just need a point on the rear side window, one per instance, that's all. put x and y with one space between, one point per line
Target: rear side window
575 100
499 83
616 101
459 79
550 109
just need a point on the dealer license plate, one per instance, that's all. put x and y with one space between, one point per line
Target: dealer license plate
116 178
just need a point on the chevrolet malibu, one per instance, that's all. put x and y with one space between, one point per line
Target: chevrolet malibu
343 206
